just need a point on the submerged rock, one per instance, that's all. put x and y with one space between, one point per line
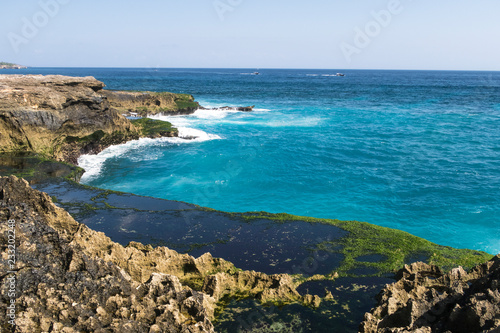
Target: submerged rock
428 300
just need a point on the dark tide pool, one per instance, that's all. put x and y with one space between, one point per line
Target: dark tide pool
250 243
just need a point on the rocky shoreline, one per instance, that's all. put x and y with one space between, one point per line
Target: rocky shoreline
64 117
94 284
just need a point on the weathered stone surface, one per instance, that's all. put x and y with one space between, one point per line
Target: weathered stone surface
70 277
264 287
61 286
60 117
427 300
50 115
146 103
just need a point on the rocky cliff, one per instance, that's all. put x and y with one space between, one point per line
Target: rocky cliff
70 278
427 300
59 117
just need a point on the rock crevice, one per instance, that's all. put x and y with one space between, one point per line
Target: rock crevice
424 299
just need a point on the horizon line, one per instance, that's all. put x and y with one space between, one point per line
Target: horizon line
271 68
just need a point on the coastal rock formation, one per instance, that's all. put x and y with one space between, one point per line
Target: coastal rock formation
59 117
60 286
427 300
147 103
63 117
69 277
266 288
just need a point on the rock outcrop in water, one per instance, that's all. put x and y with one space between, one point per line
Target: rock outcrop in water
70 278
147 103
427 300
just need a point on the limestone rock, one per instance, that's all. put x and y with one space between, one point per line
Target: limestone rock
427 300
60 117
61 285
147 103
71 278
52 114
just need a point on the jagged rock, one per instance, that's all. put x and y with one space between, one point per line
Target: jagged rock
277 288
427 300
61 286
73 278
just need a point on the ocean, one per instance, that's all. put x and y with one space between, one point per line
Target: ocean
412 150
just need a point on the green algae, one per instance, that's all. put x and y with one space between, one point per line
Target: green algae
153 127
35 167
185 102
395 245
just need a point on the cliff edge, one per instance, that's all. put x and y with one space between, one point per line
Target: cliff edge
60 117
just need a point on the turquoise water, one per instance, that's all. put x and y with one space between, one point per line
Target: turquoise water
412 150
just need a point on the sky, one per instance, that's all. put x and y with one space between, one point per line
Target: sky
320 34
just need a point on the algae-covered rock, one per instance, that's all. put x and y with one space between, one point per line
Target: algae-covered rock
147 103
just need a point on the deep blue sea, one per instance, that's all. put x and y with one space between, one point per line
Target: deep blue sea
412 150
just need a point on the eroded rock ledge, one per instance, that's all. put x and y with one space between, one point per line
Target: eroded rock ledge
71 278
61 117
427 300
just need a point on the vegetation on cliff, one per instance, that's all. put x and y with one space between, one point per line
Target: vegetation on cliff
147 103
155 128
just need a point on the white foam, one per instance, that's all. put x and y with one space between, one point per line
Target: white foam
200 114
93 163
198 135
213 114
301 122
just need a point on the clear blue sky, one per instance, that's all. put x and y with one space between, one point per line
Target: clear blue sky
419 34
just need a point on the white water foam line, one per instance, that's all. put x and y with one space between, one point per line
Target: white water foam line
93 163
